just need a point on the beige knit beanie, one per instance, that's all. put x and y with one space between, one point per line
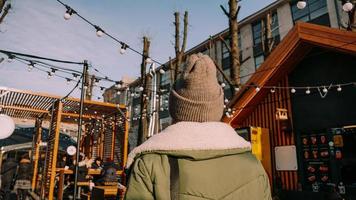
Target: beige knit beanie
197 96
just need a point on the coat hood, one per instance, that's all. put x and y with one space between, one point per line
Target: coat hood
193 140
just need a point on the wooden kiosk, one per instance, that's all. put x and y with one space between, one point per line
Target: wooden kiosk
105 131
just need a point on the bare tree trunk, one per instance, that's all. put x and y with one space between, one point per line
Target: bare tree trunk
266 33
180 50
90 84
143 125
6 11
2 3
234 47
171 70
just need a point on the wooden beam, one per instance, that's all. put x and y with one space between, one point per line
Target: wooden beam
24 109
55 150
38 140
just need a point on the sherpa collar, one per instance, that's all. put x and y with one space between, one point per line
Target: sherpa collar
192 136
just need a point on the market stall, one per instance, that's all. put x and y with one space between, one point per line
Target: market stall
304 95
104 124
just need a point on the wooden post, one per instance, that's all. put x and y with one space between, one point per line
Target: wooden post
143 126
60 185
126 140
37 141
49 174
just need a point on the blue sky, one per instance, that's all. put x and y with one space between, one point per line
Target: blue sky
37 27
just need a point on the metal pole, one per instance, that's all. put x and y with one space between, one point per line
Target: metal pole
82 93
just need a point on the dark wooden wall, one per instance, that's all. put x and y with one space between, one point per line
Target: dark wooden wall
264 116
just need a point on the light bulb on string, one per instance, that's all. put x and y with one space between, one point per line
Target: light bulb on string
118 84
140 89
347 7
149 60
68 14
293 90
301 4
30 67
307 91
223 85
99 32
10 58
161 71
118 92
339 89
75 76
68 81
49 75
123 48
258 89
325 90
273 90
226 101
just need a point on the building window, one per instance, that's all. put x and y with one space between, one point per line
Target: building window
257 43
226 53
316 11
258 29
259 60
275 27
165 78
164 101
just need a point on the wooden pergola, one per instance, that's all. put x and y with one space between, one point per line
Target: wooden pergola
105 130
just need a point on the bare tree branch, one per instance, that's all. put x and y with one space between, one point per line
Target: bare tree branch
224 10
225 43
177 34
6 11
185 32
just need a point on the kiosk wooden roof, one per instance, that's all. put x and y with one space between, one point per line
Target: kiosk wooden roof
30 105
292 49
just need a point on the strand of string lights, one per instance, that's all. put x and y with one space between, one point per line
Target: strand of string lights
322 88
230 111
31 63
100 32
34 64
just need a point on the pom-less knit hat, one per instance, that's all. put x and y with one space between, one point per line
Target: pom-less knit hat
197 96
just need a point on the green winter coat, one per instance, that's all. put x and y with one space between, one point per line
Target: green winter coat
214 163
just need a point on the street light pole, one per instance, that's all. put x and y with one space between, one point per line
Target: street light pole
80 122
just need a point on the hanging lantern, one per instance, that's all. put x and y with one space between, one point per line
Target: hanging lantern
301 4
281 114
347 7
71 150
7 126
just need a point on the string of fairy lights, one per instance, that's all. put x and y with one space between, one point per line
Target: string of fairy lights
101 32
51 70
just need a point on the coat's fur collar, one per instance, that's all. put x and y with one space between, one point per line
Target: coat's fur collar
192 136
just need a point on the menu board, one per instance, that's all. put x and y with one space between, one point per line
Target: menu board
316 158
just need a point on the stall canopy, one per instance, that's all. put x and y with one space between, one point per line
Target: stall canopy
28 105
